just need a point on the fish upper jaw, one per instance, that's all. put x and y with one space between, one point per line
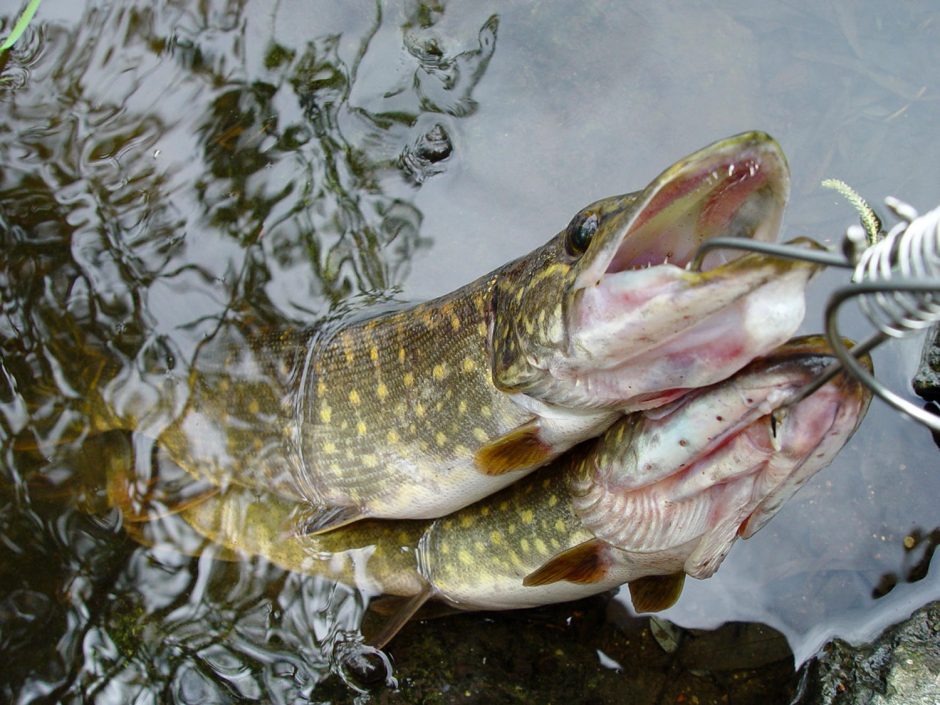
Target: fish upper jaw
735 187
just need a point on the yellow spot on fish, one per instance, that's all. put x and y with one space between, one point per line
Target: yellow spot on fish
524 545
440 438
496 538
461 407
466 521
354 397
224 385
541 547
479 546
444 548
516 561
361 428
439 371
401 355
326 413
321 387
486 411
469 365
454 322
408 379
392 436
258 444
465 557
527 516
369 460
420 410
481 330
254 407
374 354
484 511
461 451
553 500
504 506
560 526
329 447
381 391
480 435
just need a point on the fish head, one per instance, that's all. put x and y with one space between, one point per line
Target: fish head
720 462
607 315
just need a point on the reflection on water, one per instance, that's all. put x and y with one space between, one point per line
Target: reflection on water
172 170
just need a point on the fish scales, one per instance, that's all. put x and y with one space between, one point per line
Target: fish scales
418 412
392 405
536 542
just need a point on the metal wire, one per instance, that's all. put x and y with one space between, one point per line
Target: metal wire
896 282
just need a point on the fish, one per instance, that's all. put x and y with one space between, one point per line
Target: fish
659 496
416 412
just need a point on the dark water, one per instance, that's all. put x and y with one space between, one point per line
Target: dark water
164 166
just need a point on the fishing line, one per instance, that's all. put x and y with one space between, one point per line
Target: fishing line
895 279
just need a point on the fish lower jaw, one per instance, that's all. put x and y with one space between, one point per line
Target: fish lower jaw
633 368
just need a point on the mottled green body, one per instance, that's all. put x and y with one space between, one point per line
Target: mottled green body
418 412
652 498
470 557
396 408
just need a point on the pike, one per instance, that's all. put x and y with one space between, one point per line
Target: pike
660 495
415 413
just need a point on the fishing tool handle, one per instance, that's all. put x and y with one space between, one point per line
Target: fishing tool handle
896 281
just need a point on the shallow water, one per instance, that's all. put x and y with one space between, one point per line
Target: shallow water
164 163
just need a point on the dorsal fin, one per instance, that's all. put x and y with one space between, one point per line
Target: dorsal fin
170 490
518 449
655 593
585 563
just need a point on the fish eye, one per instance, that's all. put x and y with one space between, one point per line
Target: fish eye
580 232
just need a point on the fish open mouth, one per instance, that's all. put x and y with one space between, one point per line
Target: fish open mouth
642 328
720 463
736 187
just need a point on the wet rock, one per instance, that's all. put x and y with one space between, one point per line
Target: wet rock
927 380
901 668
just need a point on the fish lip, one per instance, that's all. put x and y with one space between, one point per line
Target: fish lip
748 172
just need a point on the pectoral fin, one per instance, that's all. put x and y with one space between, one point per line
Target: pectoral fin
518 449
655 593
585 563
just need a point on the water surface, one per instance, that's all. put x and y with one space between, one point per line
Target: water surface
167 164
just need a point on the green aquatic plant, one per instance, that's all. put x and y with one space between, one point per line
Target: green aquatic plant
870 221
20 26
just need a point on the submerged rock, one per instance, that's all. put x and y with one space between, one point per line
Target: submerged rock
902 667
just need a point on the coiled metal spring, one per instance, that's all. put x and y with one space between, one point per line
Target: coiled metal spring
897 282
